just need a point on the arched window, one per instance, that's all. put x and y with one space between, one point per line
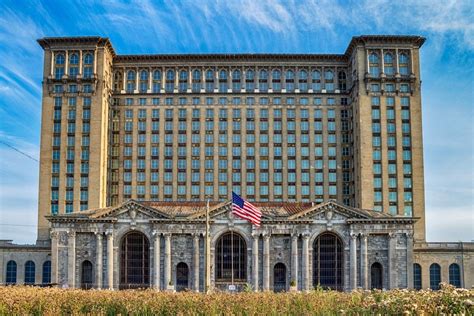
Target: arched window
209 81
134 261
196 80
376 273
74 59
417 276
131 75
59 59
290 81
157 75
11 272
231 258
169 85
156 85
303 81
435 276
183 81
143 81
29 272
249 80
328 261
316 80
341 83
46 279
182 276
388 64
236 81
329 80
263 81
403 64
222 81
374 69
130 81
144 75
86 275
170 75
279 277
454 275
276 80
88 59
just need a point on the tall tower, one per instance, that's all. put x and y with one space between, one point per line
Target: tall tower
388 145
74 127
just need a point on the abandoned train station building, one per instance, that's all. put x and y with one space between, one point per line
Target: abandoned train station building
328 146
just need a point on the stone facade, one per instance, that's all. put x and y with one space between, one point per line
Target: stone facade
329 145
287 235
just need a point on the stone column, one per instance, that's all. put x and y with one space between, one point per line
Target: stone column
110 260
99 256
196 262
137 79
255 262
124 79
95 62
266 262
294 259
364 262
156 260
305 262
353 261
52 63
71 259
409 260
54 256
392 271
66 64
80 63
167 259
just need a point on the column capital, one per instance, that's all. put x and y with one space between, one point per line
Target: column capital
54 234
255 235
364 236
167 235
156 234
305 236
266 236
409 235
98 235
354 236
392 235
196 235
295 235
71 234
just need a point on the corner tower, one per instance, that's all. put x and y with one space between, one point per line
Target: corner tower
74 126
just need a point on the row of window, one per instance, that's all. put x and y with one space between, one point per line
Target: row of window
73 66
236 113
233 101
435 276
29 273
388 64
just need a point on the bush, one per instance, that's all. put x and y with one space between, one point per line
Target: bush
24 300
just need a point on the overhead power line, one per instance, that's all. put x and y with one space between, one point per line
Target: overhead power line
18 150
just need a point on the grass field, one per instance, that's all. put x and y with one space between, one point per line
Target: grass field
21 300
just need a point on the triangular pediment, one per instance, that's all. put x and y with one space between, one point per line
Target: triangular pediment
330 210
130 209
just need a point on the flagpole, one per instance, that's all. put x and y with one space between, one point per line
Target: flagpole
208 252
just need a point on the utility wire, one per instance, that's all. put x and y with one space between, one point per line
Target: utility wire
18 150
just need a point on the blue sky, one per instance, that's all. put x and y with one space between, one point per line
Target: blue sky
248 26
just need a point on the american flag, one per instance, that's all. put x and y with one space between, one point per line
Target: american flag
245 210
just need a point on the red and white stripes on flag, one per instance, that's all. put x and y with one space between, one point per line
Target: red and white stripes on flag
245 210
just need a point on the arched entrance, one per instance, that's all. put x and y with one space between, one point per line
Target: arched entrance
376 279
231 258
134 261
182 276
86 275
279 277
328 261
